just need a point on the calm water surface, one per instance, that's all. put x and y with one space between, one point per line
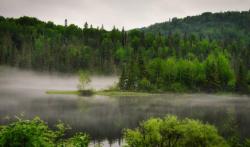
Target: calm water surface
104 118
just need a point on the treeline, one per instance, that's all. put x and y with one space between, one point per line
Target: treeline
227 26
192 54
195 58
30 43
208 68
172 74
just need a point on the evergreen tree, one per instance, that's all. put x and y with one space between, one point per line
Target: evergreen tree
241 78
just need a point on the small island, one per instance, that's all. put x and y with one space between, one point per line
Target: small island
101 92
183 82
84 80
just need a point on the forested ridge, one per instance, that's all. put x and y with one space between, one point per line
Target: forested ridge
30 43
208 52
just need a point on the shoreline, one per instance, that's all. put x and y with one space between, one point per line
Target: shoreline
135 93
101 92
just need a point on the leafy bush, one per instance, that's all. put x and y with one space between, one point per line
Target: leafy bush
30 133
78 140
247 143
172 132
145 85
177 87
27 133
84 80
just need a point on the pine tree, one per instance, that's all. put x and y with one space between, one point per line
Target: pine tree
241 78
86 25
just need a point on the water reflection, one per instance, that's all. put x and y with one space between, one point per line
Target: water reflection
104 118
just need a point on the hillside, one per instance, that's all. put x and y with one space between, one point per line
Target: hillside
227 25
209 52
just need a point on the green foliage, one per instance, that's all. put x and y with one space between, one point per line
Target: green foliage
155 71
226 26
121 54
129 79
177 87
219 74
247 143
199 52
145 85
84 80
172 132
78 140
27 133
35 132
167 132
241 80
213 74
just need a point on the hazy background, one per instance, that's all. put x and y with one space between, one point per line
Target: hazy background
127 13
17 79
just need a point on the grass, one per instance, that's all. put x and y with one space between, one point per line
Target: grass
103 92
117 93
122 93
63 92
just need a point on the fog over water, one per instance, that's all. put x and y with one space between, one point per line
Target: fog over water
104 118
16 79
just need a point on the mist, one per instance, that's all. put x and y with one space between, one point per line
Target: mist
22 92
18 79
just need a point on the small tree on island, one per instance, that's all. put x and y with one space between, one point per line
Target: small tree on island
84 80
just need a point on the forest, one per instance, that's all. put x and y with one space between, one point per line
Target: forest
208 52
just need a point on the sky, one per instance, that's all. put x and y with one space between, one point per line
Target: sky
119 13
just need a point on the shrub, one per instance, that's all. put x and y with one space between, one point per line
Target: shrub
247 143
35 132
145 85
27 133
78 140
172 132
177 87
84 80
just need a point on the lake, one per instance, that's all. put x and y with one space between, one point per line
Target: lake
22 93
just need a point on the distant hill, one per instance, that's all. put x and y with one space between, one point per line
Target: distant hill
209 52
232 25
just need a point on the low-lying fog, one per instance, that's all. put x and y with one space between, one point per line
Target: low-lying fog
14 78
103 117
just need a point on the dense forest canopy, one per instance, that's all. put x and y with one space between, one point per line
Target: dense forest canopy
206 52
228 25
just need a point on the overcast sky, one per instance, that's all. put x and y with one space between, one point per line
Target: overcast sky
127 13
